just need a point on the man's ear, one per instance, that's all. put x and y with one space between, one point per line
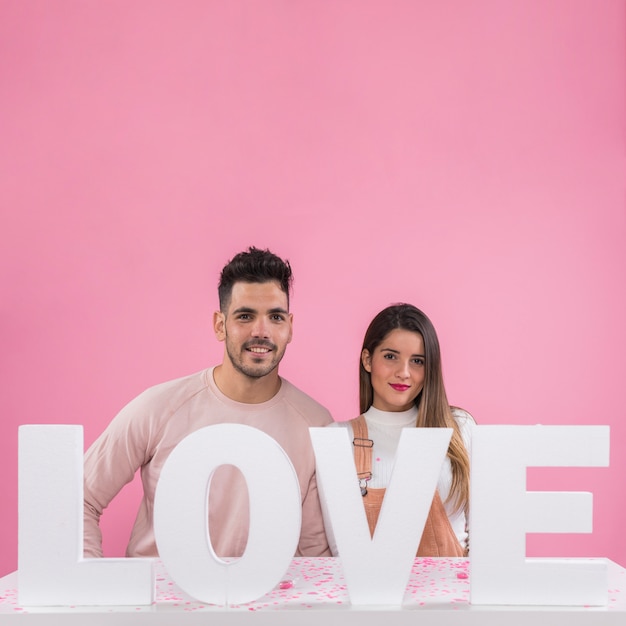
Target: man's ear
219 325
366 359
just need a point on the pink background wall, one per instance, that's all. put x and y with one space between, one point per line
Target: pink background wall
465 157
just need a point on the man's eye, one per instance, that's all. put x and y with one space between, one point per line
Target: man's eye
244 317
278 318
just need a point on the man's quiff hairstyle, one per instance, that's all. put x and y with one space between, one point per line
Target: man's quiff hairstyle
253 266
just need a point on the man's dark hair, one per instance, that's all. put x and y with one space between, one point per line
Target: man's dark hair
253 266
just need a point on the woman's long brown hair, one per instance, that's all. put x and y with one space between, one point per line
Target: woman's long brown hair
432 402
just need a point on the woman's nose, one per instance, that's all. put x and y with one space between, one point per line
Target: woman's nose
403 370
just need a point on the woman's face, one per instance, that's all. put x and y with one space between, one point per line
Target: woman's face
396 369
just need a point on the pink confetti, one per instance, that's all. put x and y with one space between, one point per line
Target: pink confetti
434 583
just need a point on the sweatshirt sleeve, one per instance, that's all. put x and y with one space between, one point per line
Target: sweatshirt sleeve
313 541
110 463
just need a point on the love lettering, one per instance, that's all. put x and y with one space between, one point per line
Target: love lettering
52 570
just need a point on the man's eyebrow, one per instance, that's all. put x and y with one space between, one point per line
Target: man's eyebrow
247 309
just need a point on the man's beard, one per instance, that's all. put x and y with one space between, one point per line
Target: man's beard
251 371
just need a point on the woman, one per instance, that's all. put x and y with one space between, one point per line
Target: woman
401 385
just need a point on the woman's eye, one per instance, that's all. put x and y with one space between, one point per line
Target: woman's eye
389 356
418 361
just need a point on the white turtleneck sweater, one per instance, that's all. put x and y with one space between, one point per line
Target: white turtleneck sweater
384 429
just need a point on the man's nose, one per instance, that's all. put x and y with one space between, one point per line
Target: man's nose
260 328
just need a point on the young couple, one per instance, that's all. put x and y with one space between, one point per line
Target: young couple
401 385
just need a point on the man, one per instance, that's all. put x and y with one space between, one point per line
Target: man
255 325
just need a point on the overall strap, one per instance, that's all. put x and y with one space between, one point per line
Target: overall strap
362 451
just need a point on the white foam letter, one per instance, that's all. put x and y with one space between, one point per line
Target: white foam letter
180 514
502 512
377 569
51 567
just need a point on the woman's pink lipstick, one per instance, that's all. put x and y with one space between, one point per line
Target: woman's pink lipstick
400 387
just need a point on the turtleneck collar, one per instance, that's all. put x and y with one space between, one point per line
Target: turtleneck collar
392 418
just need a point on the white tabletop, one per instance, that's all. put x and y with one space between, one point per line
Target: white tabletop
437 594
